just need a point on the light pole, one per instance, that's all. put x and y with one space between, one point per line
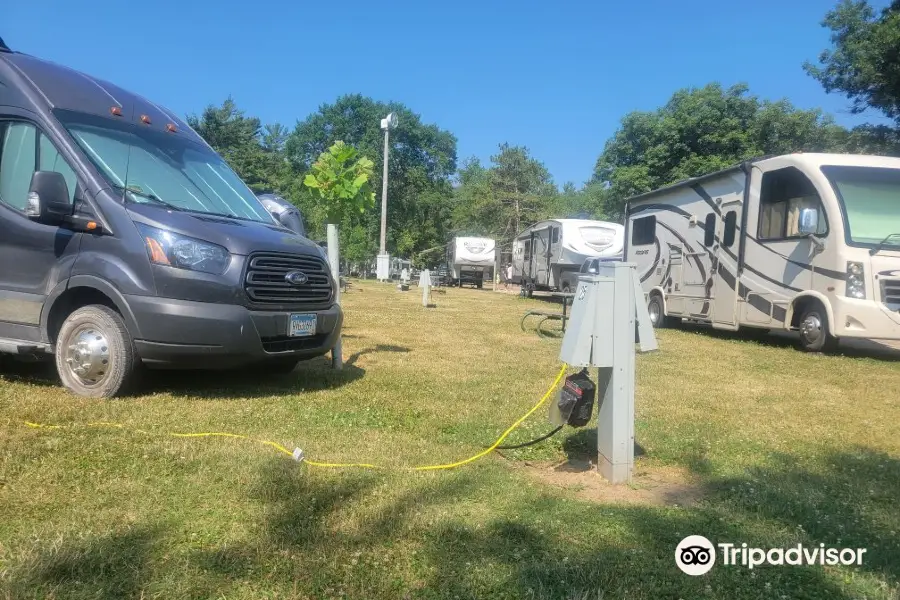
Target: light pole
383 267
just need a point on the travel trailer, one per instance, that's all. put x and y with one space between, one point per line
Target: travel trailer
801 242
547 254
470 260
129 243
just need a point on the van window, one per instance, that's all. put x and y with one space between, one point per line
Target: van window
24 150
730 229
643 231
783 194
709 230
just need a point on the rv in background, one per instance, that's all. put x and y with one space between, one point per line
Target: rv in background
470 260
803 242
549 255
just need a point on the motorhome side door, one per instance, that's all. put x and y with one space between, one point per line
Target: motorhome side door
540 256
723 253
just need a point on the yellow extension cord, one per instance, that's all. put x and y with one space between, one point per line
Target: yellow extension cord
298 454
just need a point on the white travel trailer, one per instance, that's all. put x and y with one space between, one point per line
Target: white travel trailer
803 242
470 260
546 254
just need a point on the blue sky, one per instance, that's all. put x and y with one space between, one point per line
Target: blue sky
554 76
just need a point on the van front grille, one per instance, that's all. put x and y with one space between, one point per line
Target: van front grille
890 291
266 280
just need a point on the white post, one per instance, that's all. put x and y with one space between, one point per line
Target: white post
425 282
383 259
334 261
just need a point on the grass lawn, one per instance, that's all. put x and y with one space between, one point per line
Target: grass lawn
743 442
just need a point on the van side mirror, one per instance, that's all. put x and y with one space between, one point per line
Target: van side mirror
48 198
809 221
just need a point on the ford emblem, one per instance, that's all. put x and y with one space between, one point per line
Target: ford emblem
296 278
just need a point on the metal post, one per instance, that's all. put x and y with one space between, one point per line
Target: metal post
383 260
334 261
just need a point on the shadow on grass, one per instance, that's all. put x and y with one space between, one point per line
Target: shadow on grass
782 339
115 565
475 534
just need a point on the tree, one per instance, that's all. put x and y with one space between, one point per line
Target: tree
703 130
864 61
422 159
340 178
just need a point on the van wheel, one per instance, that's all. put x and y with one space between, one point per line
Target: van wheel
815 331
95 355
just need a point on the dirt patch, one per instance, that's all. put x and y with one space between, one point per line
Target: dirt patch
657 486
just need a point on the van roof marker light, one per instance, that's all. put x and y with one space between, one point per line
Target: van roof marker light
145 119
116 111
171 128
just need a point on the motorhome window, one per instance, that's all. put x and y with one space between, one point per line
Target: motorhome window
24 150
554 235
528 250
783 194
643 231
730 228
709 230
869 198
166 166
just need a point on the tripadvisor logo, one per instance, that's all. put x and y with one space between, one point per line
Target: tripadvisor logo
696 555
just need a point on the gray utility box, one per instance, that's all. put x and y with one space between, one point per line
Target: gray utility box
608 314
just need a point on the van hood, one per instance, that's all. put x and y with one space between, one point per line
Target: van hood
237 236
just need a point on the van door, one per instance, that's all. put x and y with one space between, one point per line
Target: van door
723 286
34 256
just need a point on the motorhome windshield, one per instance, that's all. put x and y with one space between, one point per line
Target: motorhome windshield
870 199
162 168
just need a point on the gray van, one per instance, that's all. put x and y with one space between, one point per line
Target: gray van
128 243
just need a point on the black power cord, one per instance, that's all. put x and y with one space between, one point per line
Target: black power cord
531 442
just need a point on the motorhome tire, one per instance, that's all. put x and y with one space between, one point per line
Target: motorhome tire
657 313
95 355
566 289
815 330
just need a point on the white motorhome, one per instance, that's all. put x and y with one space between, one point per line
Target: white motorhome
549 253
804 242
469 260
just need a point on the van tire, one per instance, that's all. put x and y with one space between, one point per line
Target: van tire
109 369
815 330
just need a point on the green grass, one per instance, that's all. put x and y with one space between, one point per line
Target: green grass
781 447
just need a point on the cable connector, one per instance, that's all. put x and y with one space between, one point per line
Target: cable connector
298 455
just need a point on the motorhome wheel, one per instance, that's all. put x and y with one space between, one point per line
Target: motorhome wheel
815 333
657 314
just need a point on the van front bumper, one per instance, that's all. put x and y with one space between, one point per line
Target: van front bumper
186 334
864 319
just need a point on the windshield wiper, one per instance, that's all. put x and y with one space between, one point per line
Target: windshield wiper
151 197
880 245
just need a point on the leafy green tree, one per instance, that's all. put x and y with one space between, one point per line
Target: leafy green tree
422 159
340 178
702 130
864 60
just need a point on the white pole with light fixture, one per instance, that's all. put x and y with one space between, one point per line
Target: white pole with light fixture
383 264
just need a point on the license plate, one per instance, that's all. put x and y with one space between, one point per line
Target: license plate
302 325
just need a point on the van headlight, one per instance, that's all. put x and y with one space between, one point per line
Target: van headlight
176 250
856 282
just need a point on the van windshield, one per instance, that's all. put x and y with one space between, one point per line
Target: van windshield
870 198
162 168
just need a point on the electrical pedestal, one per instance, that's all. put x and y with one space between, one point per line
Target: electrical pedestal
608 314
